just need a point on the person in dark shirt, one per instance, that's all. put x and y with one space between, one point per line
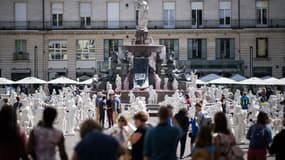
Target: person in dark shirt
183 121
102 108
96 145
110 110
161 141
137 139
278 143
18 105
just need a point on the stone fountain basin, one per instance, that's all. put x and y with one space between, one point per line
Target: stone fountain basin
142 50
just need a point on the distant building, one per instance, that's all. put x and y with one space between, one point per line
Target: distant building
49 38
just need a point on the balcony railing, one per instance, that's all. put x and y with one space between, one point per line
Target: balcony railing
18 56
178 24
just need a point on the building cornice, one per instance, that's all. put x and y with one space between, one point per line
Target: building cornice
153 31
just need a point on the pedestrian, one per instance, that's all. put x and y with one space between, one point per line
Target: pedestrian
110 111
102 108
223 101
244 101
199 116
187 101
96 145
120 132
259 136
138 137
204 148
44 138
193 134
97 103
170 115
116 106
18 105
223 138
183 121
12 137
276 147
158 144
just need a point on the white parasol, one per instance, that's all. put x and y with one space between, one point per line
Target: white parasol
30 80
5 81
62 80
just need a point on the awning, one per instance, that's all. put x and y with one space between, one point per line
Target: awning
87 70
21 70
57 70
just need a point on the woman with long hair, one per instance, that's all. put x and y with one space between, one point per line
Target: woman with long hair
12 137
203 149
223 138
259 137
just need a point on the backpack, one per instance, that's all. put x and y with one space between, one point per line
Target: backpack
201 154
258 137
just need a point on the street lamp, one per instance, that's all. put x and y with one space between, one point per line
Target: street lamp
250 60
35 61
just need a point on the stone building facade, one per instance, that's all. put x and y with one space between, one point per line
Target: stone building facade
50 38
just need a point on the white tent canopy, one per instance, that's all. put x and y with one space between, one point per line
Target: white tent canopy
238 77
223 80
30 80
209 77
254 81
5 81
279 82
62 80
89 81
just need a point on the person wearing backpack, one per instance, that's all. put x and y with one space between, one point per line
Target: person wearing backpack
204 148
260 137
224 140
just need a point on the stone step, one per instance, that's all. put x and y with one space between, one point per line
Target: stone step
160 94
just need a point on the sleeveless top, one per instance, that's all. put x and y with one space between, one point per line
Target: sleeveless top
46 140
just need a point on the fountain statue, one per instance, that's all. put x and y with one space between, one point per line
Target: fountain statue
118 82
152 95
143 7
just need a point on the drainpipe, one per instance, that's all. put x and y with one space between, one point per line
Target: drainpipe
43 18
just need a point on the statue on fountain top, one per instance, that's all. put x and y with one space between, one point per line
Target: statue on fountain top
143 7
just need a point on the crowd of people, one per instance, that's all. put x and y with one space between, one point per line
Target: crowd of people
209 139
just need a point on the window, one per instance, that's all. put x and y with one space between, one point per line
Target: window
169 14
21 50
111 47
56 73
85 14
85 49
262 71
57 50
20 14
197 48
197 8
57 14
225 48
113 15
261 12
261 47
225 13
172 47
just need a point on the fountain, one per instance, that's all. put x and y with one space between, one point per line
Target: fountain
144 57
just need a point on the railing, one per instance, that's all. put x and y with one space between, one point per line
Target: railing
21 56
178 24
